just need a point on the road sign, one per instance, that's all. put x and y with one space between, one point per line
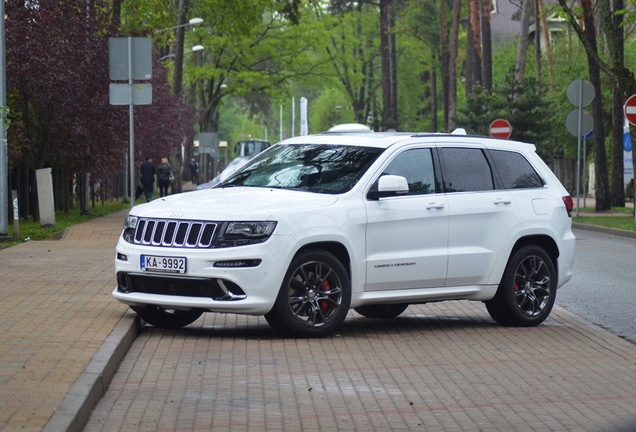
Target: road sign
581 92
119 57
121 94
586 126
500 128
630 109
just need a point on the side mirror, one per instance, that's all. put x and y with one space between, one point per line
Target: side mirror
389 186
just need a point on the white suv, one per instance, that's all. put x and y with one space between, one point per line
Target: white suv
317 225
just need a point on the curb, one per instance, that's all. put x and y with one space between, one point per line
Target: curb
604 230
75 410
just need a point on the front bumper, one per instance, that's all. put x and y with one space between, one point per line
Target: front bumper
242 280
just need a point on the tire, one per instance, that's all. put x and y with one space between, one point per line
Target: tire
382 311
167 318
314 297
527 291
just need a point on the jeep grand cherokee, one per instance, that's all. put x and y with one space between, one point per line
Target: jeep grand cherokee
317 225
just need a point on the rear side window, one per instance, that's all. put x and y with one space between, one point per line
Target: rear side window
515 170
465 170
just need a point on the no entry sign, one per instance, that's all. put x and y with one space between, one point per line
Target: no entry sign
630 109
500 128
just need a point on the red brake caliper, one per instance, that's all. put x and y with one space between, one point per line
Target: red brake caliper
326 287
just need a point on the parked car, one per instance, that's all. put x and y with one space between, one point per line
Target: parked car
317 225
246 150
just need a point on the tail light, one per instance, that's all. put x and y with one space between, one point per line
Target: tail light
569 204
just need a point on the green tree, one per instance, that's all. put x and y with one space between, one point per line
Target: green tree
532 117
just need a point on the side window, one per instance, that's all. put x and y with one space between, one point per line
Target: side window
465 170
417 166
515 170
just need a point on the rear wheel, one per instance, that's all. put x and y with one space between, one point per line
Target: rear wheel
167 318
314 297
382 311
527 290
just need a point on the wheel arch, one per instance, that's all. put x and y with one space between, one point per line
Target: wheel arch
335 248
546 242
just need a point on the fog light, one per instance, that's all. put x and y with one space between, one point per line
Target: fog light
122 257
238 263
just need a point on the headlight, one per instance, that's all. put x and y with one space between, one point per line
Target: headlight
244 233
129 228
130 222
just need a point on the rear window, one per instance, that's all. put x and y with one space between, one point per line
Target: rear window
515 171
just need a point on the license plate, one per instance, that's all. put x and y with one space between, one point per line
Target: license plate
163 264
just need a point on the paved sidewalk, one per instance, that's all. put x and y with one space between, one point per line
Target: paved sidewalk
446 365
57 312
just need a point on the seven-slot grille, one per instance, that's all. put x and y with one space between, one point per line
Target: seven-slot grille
175 233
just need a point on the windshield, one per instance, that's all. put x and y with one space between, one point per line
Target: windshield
319 168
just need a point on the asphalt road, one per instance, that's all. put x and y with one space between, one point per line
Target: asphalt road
603 287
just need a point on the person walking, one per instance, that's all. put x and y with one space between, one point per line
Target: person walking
147 178
164 176
194 167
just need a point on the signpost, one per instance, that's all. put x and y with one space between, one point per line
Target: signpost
500 128
130 59
630 114
579 123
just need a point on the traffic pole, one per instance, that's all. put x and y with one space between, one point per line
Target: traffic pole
4 166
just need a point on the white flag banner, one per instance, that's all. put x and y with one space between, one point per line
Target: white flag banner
304 128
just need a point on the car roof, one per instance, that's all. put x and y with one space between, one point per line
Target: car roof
388 139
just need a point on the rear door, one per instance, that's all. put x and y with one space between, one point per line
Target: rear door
482 218
406 238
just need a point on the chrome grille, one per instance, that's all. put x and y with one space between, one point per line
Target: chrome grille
174 233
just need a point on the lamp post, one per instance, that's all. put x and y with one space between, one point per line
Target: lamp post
193 21
193 49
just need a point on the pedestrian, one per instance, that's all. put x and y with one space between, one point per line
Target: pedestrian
164 177
147 178
194 167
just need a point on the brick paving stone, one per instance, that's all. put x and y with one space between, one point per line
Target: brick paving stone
441 366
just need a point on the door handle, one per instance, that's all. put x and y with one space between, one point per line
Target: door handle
431 206
503 201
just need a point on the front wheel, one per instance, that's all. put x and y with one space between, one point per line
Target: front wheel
167 318
314 297
527 290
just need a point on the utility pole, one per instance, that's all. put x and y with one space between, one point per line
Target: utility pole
4 165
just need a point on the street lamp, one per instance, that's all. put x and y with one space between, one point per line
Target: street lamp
193 21
193 49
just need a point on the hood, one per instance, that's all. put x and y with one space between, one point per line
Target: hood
238 203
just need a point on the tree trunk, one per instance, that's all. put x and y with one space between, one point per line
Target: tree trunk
612 25
452 65
600 159
178 58
445 61
385 50
546 42
522 49
116 14
393 76
486 45
473 47
434 121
